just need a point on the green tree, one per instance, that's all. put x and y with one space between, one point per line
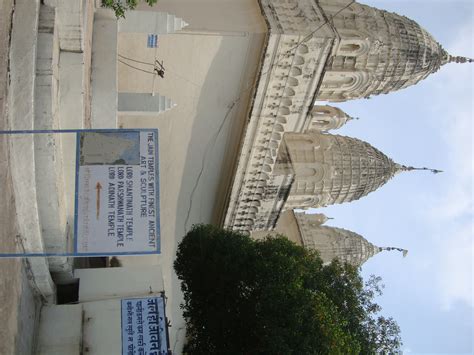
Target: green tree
121 6
273 297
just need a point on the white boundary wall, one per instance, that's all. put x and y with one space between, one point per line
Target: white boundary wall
22 150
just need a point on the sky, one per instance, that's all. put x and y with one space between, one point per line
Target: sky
429 293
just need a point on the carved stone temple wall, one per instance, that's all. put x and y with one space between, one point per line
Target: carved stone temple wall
284 95
328 50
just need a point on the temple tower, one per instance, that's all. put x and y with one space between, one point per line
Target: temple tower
330 242
378 52
315 170
325 118
334 243
331 169
334 50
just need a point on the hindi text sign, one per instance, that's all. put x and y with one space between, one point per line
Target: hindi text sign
144 326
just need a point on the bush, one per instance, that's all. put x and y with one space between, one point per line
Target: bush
252 297
121 6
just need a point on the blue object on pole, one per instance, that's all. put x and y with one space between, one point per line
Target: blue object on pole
152 41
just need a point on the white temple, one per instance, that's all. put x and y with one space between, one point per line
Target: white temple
321 50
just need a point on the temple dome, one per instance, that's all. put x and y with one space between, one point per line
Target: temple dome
333 242
337 243
325 118
330 242
378 52
331 169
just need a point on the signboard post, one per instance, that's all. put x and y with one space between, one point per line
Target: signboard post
117 199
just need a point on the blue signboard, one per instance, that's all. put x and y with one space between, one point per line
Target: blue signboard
144 326
152 41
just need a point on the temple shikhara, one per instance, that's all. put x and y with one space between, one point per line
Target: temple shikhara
330 242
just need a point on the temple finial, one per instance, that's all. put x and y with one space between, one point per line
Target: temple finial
349 118
410 168
404 251
317 219
459 59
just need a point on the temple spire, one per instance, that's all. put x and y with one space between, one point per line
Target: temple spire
349 118
448 58
459 59
404 251
400 168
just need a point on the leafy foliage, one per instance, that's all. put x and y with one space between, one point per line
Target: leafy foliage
121 6
271 296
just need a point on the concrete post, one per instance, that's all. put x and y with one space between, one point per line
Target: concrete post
104 70
22 149
143 104
150 22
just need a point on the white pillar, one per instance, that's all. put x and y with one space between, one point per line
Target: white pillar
143 104
150 22
48 160
21 111
104 70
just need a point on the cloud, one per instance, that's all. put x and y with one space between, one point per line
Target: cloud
451 212
455 278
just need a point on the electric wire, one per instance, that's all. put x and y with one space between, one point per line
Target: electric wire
135 60
168 70
209 147
136 68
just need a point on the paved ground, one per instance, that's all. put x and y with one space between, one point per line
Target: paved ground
17 301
